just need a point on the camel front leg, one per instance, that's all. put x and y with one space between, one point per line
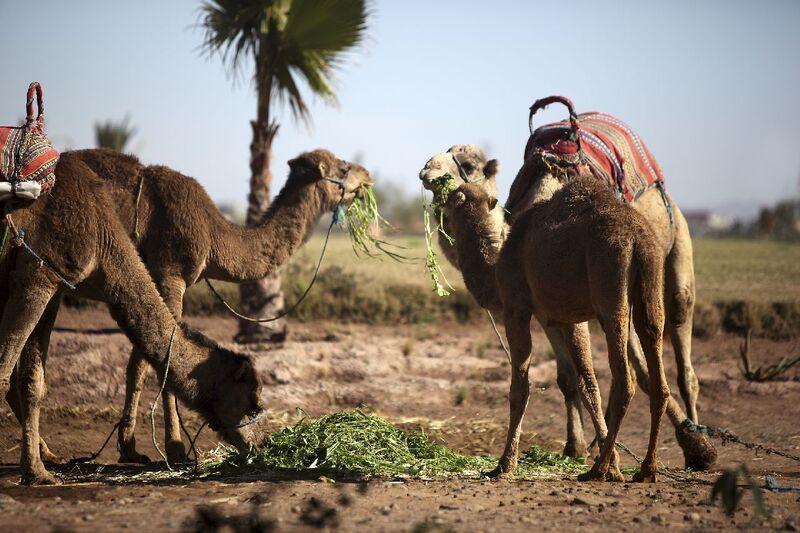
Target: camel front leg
30 291
518 333
171 290
15 403
566 378
135 375
32 387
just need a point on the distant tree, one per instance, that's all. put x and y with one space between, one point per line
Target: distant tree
288 41
114 134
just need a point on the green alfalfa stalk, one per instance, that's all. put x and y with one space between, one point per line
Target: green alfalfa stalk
359 219
444 186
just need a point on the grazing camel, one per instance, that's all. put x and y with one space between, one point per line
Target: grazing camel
469 163
183 238
78 232
606 265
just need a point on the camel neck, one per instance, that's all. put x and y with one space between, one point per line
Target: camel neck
241 253
478 244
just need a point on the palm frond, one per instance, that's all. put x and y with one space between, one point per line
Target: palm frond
293 41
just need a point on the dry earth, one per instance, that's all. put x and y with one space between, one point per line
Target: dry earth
452 381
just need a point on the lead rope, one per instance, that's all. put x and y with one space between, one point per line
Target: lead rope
285 312
499 337
19 240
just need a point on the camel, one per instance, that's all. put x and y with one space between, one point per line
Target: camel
607 265
75 228
468 163
184 238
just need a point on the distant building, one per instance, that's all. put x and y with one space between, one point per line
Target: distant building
703 223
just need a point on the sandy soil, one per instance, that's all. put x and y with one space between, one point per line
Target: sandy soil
453 382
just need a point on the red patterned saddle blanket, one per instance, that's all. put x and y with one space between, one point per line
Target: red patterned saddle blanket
596 144
25 153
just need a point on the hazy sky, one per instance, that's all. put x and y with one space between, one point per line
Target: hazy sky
712 86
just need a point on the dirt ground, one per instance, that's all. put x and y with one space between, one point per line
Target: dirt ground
452 380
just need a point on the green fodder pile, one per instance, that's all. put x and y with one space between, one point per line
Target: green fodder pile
354 444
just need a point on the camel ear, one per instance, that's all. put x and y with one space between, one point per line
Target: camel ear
492 202
323 169
491 168
460 197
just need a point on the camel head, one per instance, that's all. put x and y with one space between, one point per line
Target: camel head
234 398
237 400
331 174
474 168
471 210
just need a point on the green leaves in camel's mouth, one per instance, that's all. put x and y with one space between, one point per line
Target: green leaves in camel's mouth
360 219
443 186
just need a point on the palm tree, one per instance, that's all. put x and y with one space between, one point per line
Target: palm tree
289 42
114 134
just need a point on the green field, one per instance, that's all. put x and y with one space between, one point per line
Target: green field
725 269
741 285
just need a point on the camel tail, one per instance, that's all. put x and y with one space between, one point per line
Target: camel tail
648 294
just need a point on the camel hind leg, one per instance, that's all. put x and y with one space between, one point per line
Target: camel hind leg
679 294
622 391
698 452
648 325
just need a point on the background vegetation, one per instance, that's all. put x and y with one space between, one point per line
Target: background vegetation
741 285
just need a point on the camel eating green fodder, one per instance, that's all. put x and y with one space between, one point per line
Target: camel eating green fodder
359 219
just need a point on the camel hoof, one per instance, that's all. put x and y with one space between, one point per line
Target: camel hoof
698 452
613 474
499 474
263 334
644 476
39 476
133 457
575 450
176 453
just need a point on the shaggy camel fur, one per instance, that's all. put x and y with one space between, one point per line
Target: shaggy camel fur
77 230
699 454
183 238
606 265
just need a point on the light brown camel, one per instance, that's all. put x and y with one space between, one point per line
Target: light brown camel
699 454
77 230
183 238
607 265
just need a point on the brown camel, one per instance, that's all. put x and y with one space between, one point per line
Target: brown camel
607 265
184 238
468 163
77 230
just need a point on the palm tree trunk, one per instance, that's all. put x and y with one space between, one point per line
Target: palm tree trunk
262 298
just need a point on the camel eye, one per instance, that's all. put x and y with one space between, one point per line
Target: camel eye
468 167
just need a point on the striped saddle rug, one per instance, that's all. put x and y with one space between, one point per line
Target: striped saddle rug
595 144
25 153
